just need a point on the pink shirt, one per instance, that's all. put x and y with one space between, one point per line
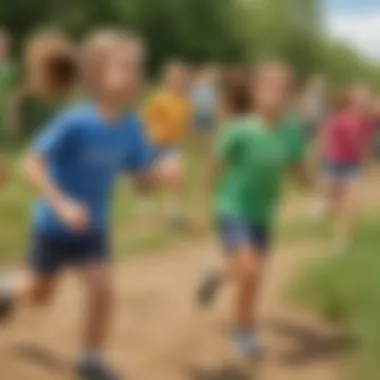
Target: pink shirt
348 136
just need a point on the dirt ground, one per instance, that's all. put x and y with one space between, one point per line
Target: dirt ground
159 334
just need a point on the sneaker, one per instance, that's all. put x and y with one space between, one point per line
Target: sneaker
208 287
247 344
95 370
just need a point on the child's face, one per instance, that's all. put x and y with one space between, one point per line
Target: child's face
361 97
122 72
177 79
273 90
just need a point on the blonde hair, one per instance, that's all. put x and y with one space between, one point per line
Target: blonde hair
96 47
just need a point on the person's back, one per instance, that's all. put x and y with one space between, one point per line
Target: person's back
346 137
166 115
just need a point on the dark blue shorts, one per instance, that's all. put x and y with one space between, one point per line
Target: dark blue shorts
236 232
50 253
341 171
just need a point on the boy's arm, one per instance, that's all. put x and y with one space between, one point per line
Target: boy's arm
148 173
55 140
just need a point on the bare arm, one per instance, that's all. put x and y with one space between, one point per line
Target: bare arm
34 169
69 212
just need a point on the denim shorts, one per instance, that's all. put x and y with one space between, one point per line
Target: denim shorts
50 253
236 232
341 171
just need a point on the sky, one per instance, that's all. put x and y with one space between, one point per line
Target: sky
357 22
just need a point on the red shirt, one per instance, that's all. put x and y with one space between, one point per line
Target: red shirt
348 137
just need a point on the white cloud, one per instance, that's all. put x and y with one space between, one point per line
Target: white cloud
361 30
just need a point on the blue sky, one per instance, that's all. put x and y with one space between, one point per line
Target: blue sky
357 22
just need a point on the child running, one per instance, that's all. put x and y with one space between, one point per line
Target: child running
253 154
345 144
73 165
168 115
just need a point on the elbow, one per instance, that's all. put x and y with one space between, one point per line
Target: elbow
29 165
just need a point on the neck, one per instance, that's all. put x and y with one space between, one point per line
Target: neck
109 111
269 119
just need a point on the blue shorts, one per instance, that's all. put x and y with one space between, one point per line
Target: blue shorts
50 253
204 122
341 171
236 232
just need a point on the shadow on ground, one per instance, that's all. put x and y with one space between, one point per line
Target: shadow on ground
309 344
42 357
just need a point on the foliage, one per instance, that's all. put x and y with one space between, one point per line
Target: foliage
345 289
198 30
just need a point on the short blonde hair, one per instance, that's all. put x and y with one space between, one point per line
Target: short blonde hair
97 46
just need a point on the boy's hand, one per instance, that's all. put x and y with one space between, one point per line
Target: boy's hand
73 215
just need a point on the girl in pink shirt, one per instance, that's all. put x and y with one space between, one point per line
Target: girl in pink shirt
345 144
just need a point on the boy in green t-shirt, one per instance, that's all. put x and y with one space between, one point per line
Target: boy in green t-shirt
254 153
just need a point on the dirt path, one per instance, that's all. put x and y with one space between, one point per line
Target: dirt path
159 334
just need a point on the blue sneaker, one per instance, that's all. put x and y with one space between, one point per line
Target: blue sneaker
94 370
247 344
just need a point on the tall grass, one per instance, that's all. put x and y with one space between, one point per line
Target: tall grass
347 289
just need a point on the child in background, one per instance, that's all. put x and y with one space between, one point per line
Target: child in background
167 116
30 106
73 165
259 145
204 95
345 145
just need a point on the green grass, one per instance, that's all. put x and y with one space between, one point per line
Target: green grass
346 289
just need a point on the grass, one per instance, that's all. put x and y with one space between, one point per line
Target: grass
345 289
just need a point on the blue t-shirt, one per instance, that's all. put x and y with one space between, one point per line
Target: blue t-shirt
83 155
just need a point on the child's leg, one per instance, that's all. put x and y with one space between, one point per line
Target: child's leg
248 268
24 290
99 305
346 223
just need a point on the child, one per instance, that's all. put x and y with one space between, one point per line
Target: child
344 146
73 165
167 116
29 104
204 97
254 152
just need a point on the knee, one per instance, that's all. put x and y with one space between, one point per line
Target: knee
41 295
248 270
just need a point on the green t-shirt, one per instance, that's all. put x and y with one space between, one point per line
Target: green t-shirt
255 160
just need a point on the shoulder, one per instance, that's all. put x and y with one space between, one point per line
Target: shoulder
72 118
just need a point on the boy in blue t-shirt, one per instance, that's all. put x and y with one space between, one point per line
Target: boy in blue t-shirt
73 165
